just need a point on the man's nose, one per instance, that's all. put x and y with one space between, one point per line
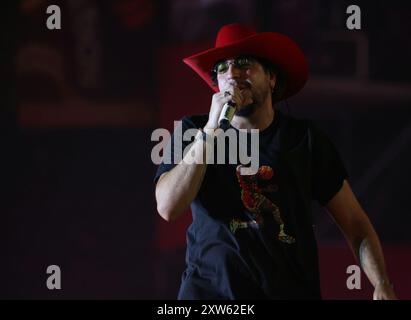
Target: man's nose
233 71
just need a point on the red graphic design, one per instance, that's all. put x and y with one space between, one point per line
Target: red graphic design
251 195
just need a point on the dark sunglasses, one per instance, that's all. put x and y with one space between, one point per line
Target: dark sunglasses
242 62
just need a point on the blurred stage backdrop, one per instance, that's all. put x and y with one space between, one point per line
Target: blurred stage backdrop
79 104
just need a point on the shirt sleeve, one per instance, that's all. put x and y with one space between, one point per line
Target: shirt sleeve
174 153
328 170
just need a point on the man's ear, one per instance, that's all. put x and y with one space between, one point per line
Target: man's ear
273 80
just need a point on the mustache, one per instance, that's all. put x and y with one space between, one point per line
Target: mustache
240 84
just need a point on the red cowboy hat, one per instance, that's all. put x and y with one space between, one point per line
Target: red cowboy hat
236 39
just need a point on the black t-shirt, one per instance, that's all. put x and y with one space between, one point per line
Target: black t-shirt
252 236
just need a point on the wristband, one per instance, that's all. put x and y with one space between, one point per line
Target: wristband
206 137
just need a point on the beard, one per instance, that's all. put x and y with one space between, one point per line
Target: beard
258 99
247 110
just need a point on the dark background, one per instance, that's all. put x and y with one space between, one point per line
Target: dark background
79 104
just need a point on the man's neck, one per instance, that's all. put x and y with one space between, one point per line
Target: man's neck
260 119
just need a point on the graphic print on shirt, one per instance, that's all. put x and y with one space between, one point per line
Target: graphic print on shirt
253 199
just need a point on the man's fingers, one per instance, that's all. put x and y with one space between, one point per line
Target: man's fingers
237 98
235 93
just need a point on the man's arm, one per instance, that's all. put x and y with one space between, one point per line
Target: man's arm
360 234
176 189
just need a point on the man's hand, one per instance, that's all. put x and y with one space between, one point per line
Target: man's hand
384 291
230 93
362 238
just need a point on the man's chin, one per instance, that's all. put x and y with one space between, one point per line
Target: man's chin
246 111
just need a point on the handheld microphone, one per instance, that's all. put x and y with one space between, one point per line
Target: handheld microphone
227 114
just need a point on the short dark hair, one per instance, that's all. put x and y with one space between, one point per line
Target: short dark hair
270 68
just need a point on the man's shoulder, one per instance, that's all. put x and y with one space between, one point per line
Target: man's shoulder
298 129
295 131
295 125
303 125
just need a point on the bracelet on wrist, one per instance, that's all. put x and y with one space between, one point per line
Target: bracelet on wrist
206 136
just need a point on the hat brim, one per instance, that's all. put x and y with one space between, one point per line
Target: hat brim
283 52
